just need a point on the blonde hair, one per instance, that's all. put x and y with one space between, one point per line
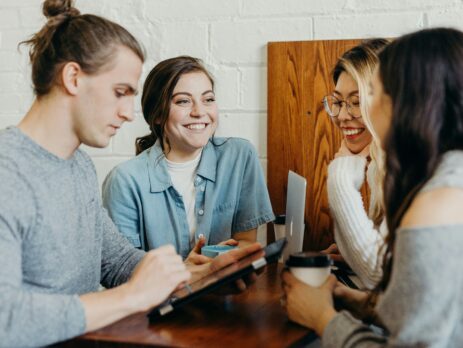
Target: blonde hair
360 63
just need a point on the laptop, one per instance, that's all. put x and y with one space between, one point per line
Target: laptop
295 208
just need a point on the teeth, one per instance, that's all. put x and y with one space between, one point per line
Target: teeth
196 126
352 131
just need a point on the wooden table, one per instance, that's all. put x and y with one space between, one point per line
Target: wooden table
253 318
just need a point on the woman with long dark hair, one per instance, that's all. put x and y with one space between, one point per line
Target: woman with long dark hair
417 112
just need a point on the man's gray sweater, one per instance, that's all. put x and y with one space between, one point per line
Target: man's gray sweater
56 242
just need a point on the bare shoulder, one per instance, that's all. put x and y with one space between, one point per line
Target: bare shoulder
437 207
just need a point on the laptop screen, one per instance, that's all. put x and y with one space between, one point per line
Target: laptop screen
295 208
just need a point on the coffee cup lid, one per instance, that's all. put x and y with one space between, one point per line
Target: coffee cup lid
308 259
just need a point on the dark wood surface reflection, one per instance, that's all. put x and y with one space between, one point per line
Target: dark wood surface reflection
254 318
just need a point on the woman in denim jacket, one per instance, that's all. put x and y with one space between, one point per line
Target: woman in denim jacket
186 187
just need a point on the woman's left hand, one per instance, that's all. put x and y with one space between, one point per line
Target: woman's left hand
306 305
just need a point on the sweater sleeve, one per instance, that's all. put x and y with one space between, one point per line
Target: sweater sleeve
28 318
417 309
119 256
357 239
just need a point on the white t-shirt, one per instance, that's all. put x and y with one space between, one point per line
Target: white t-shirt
183 178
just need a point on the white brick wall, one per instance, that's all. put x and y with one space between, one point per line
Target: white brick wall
229 35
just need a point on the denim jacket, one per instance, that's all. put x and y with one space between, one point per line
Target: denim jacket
231 196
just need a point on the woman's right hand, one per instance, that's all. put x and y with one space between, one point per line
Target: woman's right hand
159 273
333 252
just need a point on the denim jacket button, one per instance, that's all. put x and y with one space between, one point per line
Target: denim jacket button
201 212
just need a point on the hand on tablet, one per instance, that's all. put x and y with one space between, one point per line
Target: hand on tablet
223 260
232 256
159 273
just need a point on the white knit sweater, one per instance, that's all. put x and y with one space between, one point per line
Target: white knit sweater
356 236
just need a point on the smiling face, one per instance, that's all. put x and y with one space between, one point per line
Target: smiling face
192 118
354 130
106 99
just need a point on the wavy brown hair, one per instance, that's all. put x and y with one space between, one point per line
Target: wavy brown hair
90 41
422 72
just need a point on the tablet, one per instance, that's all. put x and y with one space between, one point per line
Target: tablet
228 274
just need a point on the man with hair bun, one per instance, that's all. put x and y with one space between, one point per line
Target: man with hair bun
57 243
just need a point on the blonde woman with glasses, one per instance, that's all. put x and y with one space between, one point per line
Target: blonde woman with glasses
358 234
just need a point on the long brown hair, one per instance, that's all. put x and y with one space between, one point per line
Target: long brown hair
422 72
89 40
157 94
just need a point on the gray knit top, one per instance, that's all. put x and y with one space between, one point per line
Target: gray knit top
56 242
423 303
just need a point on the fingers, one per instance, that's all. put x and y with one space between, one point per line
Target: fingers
199 244
181 277
240 285
235 255
288 279
330 283
197 259
333 248
336 257
231 242
242 252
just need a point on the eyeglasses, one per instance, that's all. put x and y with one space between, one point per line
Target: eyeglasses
333 105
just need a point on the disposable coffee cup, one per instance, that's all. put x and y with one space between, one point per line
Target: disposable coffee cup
310 267
279 226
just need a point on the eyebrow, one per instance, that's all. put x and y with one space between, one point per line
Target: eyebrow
351 93
190 95
131 88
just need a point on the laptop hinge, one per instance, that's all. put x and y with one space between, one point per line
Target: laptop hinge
259 263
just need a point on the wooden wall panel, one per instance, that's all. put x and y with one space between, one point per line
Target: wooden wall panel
301 137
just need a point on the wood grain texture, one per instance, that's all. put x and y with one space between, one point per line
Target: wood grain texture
301 137
253 318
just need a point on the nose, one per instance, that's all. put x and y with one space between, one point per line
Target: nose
126 110
198 110
343 114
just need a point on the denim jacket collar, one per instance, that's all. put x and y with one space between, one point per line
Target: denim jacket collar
157 168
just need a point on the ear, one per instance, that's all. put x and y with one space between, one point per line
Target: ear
70 75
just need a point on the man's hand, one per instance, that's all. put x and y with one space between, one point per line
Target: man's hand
159 273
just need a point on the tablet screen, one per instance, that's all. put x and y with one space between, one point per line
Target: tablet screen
234 271
269 251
